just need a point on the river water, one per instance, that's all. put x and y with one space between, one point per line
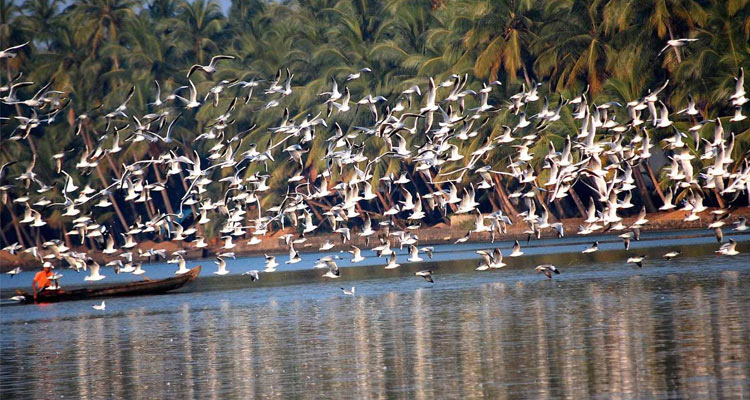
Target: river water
601 329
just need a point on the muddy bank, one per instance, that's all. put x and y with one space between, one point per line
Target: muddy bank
437 234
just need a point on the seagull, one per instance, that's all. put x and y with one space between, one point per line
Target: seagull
357 254
222 270
547 269
271 263
99 307
333 269
672 254
741 224
10 52
426 274
356 75
638 260
676 43
728 249
516 250
14 272
293 256
253 275
94 275
392 262
181 265
594 247
211 67
414 254
348 292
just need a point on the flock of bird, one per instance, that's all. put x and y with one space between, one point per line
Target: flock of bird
423 128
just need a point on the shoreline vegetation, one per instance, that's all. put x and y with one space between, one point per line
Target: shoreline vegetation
131 125
434 235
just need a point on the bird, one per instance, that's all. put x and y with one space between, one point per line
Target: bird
637 260
728 249
222 266
426 274
99 307
253 273
333 269
94 274
181 265
414 254
674 43
356 254
594 247
356 75
211 67
672 254
293 256
516 252
271 263
547 269
392 262
14 272
10 52
348 292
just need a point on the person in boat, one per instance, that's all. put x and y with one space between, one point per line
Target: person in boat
42 279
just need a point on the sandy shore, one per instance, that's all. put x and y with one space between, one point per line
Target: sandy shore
438 234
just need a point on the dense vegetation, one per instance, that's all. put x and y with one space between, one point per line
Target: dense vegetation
95 50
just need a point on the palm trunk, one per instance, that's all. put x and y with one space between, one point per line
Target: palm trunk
653 180
645 196
164 194
20 233
577 201
500 189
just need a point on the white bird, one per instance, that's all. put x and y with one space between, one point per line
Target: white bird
253 274
356 75
674 43
594 247
348 292
94 274
638 260
14 272
392 262
516 250
181 265
222 266
10 52
271 263
333 269
672 254
547 269
99 307
414 254
728 249
357 254
426 274
293 256
211 67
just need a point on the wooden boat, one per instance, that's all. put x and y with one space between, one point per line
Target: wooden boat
125 289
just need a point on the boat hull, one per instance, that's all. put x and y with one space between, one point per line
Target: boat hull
127 289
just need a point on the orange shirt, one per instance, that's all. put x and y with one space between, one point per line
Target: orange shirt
42 279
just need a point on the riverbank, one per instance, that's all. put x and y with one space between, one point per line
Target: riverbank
437 234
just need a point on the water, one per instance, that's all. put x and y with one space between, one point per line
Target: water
601 329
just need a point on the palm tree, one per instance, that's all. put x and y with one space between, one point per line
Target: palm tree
572 47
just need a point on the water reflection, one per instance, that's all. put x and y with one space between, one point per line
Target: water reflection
634 337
